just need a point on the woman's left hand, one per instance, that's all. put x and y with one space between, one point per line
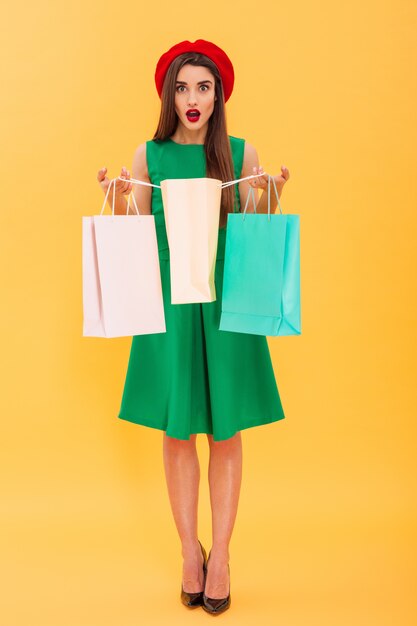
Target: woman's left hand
261 180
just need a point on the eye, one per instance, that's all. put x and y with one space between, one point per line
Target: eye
180 87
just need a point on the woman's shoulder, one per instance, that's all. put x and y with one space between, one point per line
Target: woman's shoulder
243 147
236 141
237 145
140 165
158 142
239 142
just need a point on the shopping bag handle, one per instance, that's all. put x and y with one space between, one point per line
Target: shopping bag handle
138 182
223 185
269 194
113 180
251 192
233 182
134 202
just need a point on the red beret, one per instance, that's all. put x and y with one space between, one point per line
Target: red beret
216 54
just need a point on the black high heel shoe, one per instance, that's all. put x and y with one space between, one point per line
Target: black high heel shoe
194 599
216 605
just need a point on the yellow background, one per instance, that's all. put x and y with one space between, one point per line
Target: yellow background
325 532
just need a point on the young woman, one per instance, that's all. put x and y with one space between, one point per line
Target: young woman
195 378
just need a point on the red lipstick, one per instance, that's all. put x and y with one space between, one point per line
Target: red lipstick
193 115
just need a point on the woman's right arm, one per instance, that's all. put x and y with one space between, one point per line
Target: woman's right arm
142 193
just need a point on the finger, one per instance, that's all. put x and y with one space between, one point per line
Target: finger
128 186
102 173
261 178
264 178
127 176
120 186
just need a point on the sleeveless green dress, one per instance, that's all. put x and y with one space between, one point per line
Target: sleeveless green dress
195 378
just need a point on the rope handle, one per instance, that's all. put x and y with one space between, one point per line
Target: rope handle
113 180
223 185
252 192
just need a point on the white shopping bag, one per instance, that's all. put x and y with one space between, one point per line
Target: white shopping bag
192 214
122 292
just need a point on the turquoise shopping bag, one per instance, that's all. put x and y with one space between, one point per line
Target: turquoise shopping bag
261 282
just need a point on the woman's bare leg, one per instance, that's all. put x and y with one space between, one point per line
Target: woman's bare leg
225 477
182 471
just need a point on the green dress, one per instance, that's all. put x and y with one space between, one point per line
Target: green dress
195 378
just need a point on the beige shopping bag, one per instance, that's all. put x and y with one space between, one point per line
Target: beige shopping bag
122 292
192 215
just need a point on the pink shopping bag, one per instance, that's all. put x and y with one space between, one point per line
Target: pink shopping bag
122 292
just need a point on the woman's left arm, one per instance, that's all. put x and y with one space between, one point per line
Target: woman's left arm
251 167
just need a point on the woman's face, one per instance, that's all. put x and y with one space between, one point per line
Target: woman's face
194 90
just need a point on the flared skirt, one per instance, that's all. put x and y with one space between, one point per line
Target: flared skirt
195 378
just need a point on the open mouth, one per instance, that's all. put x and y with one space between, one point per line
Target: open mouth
193 115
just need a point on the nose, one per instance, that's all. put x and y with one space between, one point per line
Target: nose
192 100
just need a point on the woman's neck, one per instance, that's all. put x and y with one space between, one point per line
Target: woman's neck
184 135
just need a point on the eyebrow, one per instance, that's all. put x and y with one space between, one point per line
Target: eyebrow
183 82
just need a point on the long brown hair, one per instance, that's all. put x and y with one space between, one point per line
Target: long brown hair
219 162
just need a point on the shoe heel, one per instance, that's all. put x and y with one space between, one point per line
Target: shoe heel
194 599
216 605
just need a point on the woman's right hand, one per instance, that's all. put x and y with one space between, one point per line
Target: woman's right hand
122 187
